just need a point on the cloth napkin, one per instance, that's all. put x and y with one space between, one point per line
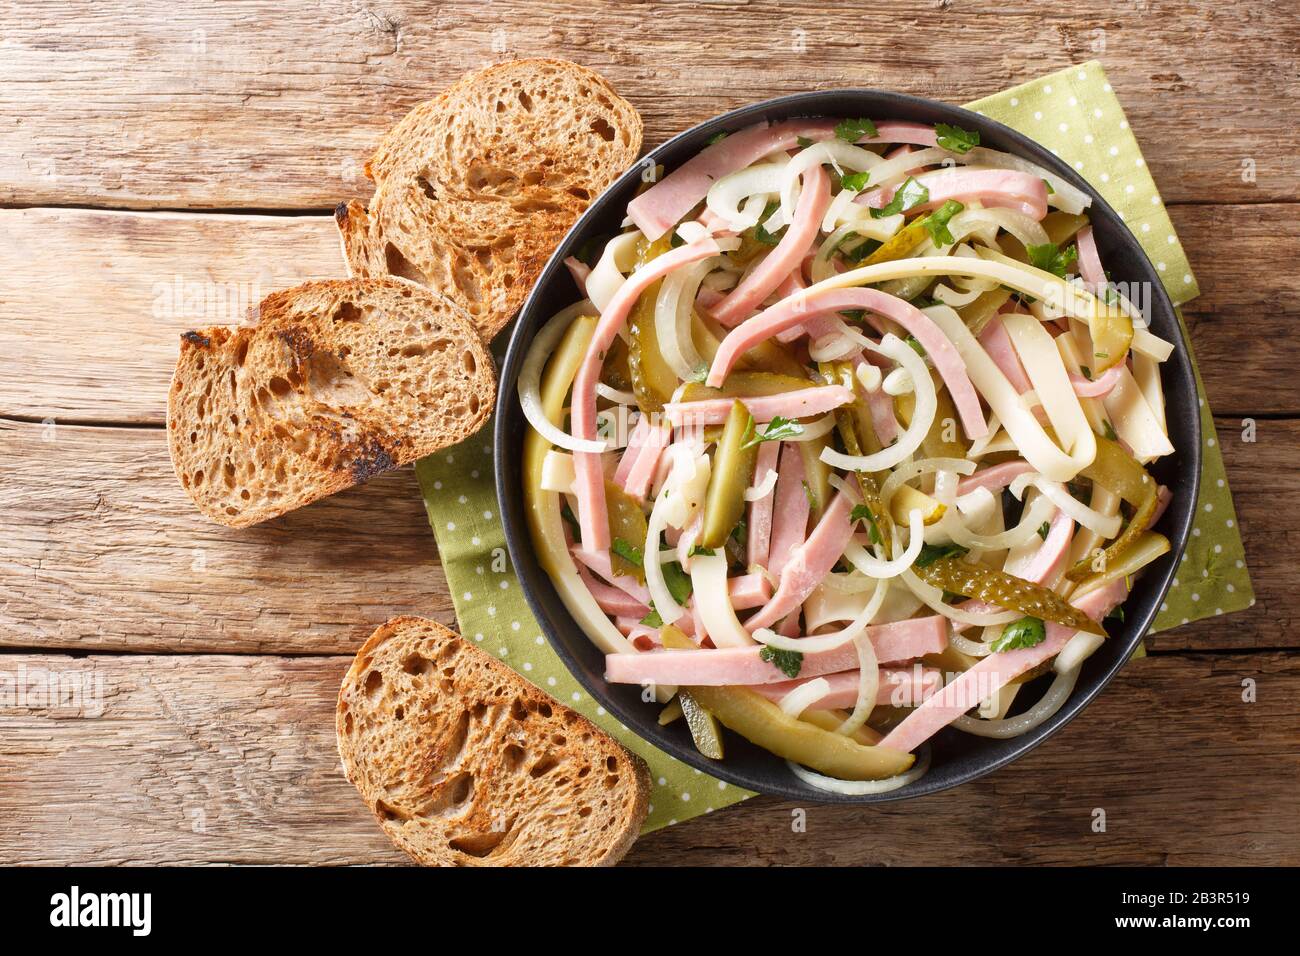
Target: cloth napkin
1076 115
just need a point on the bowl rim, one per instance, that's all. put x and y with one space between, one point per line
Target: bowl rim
881 105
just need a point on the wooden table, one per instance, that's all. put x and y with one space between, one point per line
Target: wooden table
200 146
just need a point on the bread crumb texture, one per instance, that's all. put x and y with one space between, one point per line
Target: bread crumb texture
465 763
327 385
475 189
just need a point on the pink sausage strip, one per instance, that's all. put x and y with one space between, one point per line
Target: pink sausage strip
790 509
1090 268
995 477
759 525
1048 559
797 404
1098 387
612 600
638 479
809 564
797 309
788 254
915 134
599 562
659 208
899 688
635 441
579 270
593 516
748 590
993 187
900 641
997 343
992 673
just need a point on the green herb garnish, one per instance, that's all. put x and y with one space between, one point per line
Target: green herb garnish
761 234
1051 259
788 663
717 138
571 519
936 224
1108 429
803 141
1087 372
931 553
852 130
652 619
778 429
628 552
1043 529
1025 632
855 181
707 552
864 513
808 493
678 581
910 194
955 139
916 345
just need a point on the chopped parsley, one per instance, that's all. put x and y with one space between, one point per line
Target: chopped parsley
1116 615
1025 632
855 181
789 663
717 137
1050 190
936 224
808 493
761 234
1087 372
955 139
1051 259
778 429
864 513
678 581
628 552
1043 529
863 249
931 553
852 130
571 519
707 552
652 619
1108 429
916 345
699 374
910 194
803 141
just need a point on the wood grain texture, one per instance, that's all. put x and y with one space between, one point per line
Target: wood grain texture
119 559
92 303
103 550
218 759
261 104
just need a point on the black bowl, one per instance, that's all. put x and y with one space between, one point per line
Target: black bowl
956 757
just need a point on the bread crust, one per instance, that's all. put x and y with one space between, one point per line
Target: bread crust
465 763
475 188
326 385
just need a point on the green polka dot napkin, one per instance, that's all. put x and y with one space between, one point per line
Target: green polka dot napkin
1076 115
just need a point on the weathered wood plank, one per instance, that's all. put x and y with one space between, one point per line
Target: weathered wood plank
255 104
103 550
92 303
218 759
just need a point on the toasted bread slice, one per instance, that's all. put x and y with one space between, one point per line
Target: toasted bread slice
333 383
465 763
474 189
